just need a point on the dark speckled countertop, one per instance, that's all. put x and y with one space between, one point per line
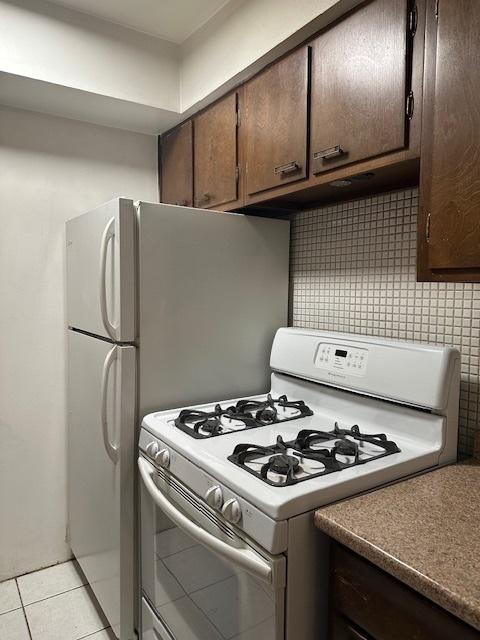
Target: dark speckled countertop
425 531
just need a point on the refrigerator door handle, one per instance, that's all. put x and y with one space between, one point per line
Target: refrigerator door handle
112 449
108 234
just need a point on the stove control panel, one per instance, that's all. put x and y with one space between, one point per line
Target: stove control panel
270 534
341 359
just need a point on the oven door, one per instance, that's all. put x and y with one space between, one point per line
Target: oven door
200 579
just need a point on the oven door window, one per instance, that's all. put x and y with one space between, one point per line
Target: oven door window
199 591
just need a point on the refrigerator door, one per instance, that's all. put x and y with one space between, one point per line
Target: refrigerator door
213 290
101 436
101 271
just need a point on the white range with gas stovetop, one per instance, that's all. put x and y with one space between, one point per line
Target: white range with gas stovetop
228 490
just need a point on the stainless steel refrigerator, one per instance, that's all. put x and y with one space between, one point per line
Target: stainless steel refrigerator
166 306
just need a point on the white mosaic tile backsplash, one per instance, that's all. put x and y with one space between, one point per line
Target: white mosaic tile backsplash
353 269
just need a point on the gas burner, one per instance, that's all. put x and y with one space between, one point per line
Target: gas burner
206 424
282 464
245 414
272 410
210 425
308 438
287 463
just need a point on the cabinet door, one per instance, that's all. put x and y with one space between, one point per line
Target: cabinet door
276 123
451 162
215 153
359 74
373 604
177 166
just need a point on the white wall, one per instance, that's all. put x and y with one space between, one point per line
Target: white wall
47 42
50 169
243 37
57 60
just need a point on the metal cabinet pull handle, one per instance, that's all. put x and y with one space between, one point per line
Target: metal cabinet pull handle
287 168
354 634
331 152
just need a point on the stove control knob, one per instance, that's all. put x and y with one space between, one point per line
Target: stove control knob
214 497
162 458
151 449
232 511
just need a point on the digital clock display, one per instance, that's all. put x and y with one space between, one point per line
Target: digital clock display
341 353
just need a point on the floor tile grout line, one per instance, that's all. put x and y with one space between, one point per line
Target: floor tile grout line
26 622
4 613
60 593
92 634
23 607
29 573
23 610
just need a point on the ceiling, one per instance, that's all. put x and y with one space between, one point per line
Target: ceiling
173 20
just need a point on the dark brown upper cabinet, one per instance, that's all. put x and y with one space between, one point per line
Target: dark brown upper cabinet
276 110
449 220
359 86
176 166
216 164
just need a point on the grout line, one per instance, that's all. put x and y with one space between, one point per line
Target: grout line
26 622
19 593
92 634
50 566
3 613
60 593
23 607
23 610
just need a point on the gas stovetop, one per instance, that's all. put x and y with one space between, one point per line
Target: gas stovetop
338 459
244 414
311 454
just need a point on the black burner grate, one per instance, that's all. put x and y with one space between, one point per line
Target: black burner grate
245 414
285 458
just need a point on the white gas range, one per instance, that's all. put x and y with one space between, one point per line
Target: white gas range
229 487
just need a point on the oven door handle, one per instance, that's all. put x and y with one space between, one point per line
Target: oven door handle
245 558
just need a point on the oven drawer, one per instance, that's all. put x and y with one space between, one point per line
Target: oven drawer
188 624
200 579
152 628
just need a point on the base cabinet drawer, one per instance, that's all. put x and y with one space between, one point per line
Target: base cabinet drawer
369 604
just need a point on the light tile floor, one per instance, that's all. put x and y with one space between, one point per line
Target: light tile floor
51 604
